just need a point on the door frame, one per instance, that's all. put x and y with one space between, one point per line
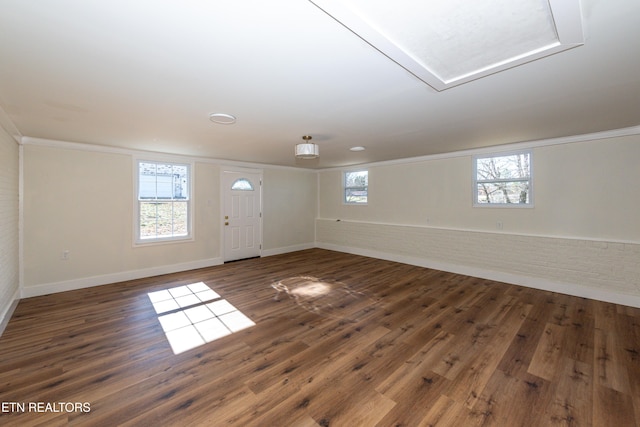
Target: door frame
223 199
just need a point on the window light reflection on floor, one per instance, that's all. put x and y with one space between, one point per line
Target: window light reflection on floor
194 314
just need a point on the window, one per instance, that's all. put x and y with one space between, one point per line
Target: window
503 180
163 202
242 184
356 187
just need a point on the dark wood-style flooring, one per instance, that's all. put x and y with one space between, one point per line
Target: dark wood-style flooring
369 343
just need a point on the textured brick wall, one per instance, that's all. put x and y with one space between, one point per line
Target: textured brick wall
606 267
9 221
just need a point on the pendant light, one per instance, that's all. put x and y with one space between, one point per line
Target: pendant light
307 149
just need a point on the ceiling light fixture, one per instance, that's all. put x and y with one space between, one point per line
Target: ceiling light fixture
307 150
222 118
357 148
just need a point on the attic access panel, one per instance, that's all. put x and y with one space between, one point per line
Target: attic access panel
449 42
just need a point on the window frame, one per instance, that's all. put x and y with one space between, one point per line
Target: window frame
529 180
345 188
137 239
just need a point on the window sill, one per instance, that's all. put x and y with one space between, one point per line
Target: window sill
162 241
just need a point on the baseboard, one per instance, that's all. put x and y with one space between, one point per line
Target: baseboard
531 282
7 312
87 282
572 289
287 249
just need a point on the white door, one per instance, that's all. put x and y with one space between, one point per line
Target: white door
241 214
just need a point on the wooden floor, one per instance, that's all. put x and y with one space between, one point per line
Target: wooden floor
369 343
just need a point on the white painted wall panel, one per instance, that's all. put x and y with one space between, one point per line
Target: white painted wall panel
82 201
574 266
583 232
289 210
582 190
9 238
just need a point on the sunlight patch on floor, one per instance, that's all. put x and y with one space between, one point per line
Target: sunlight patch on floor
328 298
194 314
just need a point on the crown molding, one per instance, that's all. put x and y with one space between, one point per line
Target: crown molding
614 133
494 149
7 124
42 142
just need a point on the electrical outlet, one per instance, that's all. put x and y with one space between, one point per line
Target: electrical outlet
499 225
65 255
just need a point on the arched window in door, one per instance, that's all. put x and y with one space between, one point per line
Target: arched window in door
242 184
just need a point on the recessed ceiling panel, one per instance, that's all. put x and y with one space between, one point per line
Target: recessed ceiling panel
450 42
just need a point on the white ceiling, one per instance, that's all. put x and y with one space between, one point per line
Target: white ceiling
447 43
146 74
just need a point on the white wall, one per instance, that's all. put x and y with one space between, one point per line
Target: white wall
80 199
581 237
289 210
9 238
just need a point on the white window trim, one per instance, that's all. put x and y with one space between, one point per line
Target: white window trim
344 187
137 241
474 188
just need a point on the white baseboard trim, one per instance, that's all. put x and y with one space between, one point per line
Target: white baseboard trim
514 279
7 311
531 282
87 282
287 249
